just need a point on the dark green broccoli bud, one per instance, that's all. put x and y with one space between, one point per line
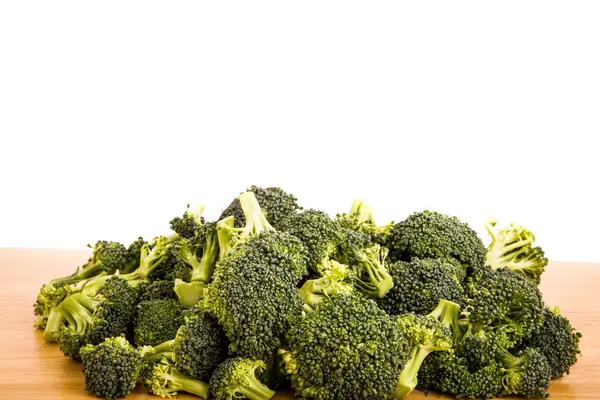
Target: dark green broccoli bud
157 290
236 378
320 235
351 241
111 368
187 225
444 372
504 300
133 256
482 345
419 285
347 348
512 247
427 334
254 292
335 278
526 374
557 340
430 234
156 321
200 345
165 380
276 204
361 219
89 320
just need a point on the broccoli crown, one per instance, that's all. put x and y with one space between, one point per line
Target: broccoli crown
197 256
352 241
188 224
156 321
320 235
237 378
49 296
348 348
335 278
447 373
276 204
133 256
429 234
557 340
360 219
157 290
419 285
505 300
512 247
111 368
526 374
254 292
165 380
200 345
89 320
481 345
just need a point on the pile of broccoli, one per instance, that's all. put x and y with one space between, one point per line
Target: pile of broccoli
272 296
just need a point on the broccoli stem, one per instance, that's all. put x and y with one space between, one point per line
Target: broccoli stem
255 389
204 270
374 279
179 382
189 294
53 324
256 222
408 377
165 349
362 211
225 231
78 310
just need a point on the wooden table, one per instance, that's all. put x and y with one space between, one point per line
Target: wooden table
33 369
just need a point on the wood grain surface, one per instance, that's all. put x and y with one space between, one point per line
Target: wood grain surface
33 369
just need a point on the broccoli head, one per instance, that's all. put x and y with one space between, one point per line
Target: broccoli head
236 378
188 224
360 219
165 380
156 321
111 368
429 234
526 374
156 290
335 278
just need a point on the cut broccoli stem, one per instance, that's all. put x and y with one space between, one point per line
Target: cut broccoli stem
180 382
165 381
447 313
408 377
189 294
255 389
55 321
77 309
362 211
204 270
332 282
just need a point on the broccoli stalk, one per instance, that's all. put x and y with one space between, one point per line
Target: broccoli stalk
511 247
334 280
163 350
165 380
372 276
430 333
236 378
189 293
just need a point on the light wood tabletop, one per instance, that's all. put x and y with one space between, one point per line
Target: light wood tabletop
33 369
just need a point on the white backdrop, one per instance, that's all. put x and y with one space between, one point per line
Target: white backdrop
114 115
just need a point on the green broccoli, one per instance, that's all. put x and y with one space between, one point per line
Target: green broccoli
512 247
133 256
276 204
347 348
557 340
111 368
335 278
156 321
481 345
236 378
187 225
156 290
419 285
429 234
360 219
165 380
433 332
526 374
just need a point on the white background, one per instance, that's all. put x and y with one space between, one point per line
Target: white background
114 115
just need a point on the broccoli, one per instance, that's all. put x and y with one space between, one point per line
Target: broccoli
133 256
89 320
320 235
526 374
347 348
512 247
335 278
361 219
429 234
254 292
419 285
165 380
276 204
48 298
433 332
557 340
187 225
236 378
481 345
156 321
156 290
111 368
504 300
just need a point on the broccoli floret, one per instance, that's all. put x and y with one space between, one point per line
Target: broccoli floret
361 219
133 256
49 296
276 204
89 320
482 345
427 334
419 285
165 380
429 234
557 340
237 378
157 290
335 278
526 374
187 225
504 300
512 247
320 235
347 348
111 368
254 292
156 321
